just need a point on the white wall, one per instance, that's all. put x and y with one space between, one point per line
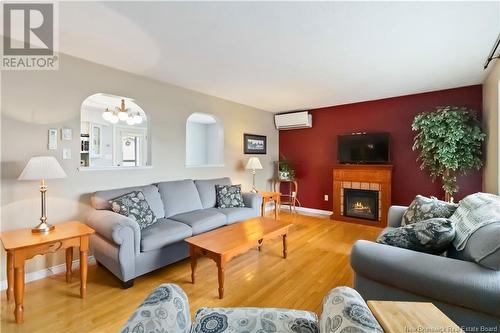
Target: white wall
34 101
215 151
491 122
196 148
106 157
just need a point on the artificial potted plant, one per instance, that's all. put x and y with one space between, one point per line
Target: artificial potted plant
285 169
449 140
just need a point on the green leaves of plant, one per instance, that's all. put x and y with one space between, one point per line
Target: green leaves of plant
449 140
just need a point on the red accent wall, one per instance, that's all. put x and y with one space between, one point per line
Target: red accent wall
314 151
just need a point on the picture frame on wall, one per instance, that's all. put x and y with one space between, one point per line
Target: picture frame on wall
254 144
66 134
52 144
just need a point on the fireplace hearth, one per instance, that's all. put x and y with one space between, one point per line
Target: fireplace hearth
362 193
361 204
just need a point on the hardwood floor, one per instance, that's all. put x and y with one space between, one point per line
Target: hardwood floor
318 260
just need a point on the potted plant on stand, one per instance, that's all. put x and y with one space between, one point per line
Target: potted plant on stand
285 169
449 140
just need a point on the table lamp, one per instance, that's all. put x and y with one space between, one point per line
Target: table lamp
254 164
41 168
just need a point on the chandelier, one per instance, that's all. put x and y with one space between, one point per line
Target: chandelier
122 113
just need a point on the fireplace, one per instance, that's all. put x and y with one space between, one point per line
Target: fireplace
361 204
356 186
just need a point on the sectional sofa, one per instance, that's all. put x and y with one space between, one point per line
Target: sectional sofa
467 292
184 208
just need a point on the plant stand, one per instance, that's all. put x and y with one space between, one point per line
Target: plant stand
289 198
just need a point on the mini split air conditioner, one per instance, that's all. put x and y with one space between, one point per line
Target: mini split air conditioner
294 120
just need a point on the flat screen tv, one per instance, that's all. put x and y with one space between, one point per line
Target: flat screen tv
364 148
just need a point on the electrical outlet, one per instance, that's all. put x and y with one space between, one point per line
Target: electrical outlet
326 197
294 194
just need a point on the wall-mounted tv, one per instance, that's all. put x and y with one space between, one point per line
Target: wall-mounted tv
364 148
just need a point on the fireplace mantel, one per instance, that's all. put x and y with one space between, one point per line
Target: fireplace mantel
365 177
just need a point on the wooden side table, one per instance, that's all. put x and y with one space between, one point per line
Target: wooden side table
22 244
397 317
266 197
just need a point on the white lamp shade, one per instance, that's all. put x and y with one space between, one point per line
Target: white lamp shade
122 115
107 115
114 119
137 118
254 164
42 167
130 121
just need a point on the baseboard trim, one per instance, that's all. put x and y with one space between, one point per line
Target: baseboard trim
309 210
46 272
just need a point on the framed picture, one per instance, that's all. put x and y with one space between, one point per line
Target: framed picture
66 133
254 144
52 145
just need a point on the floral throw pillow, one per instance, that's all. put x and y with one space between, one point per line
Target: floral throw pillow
254 320
166 309
229 196
134 206
345 311
423 208
430 236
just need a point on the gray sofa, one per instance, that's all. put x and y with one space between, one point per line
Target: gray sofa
465 291
184 208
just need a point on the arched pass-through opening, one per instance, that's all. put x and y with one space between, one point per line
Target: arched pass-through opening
114 133
204 141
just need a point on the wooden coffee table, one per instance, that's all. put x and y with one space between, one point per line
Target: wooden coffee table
223 244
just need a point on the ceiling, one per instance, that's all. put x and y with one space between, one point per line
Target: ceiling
281 56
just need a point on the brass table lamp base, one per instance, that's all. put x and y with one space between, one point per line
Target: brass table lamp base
43 226
254 189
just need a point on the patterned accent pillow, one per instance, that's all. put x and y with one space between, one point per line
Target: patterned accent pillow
229 196
422 208
430 236
254 320
134 206
166 309
344 310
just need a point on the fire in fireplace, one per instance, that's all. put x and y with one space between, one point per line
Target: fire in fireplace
362 204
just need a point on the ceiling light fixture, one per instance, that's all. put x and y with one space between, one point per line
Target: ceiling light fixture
107 114
130 121
124 114
122 111
137 118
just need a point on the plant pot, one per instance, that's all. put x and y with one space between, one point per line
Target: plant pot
284 175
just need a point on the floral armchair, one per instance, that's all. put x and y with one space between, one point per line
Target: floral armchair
166 309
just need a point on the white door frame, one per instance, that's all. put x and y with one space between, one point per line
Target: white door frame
121 131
